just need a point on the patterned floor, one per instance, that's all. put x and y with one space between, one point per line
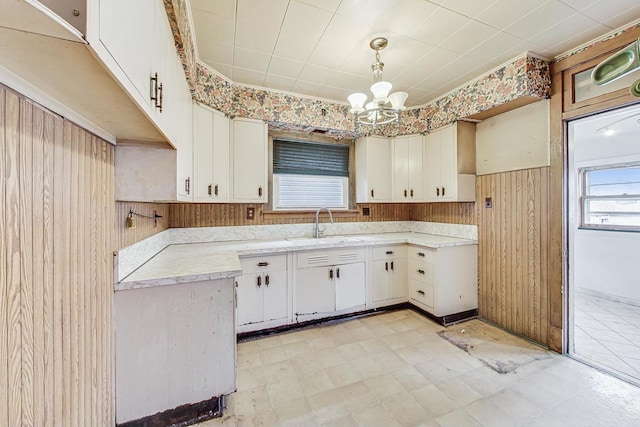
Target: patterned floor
392 369
607 333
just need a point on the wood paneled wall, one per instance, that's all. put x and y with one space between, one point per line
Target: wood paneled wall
144 226
228 214
451 213
56 280
512 249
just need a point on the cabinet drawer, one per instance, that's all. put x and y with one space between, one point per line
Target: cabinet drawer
421 292
422 254
259 264
388 252
421 271
330 257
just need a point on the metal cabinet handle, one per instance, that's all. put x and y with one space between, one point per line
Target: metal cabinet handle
209 189
405 192
331 274
443 191
337 273
421 271
411 192
215 190
263 264
259 191
386 266
421 254
159 102
153 89
420 292
371 193
187 185
437 191
259 281
391 265
266 280
389 252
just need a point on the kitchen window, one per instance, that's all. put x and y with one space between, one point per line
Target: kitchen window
310 175
611 197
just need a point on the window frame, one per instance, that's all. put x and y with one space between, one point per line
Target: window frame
270 207
586 198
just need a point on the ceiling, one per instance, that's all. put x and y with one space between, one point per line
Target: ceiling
321 47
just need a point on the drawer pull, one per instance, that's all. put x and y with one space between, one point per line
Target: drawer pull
266 280
389 252
331 274
337 273
386 266
420 292
259 281
263 264
421 271
421 254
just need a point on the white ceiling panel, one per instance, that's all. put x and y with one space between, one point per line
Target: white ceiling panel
469 36
285 67
440 26
468 8
321 47
251 60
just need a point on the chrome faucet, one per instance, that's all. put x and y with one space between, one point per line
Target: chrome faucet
319 232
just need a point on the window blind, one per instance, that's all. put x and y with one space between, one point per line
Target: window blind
308 158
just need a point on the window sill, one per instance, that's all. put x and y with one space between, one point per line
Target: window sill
342 213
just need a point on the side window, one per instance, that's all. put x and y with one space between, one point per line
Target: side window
610 197
309 175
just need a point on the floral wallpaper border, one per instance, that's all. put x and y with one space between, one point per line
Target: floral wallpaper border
597 42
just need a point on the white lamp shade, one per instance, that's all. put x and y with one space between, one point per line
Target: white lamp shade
397 100
380 91
357 101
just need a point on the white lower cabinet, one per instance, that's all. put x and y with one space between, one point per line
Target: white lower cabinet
388 275
262 293
330 281
444 281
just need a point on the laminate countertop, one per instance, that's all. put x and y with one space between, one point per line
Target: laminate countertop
196 262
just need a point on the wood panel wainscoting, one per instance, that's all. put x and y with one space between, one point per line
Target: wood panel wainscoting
144 226
512 251
451 213
56 286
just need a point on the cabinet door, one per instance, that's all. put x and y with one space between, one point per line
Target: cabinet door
275 295
350 285
127 29
250 299
184 146
316 290
432 166
379 168
249 160
165 63
398 278
203 152
448 163
220 177
401 169
415 167
380 280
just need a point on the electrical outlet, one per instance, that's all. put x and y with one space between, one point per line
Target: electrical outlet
251 213
365 212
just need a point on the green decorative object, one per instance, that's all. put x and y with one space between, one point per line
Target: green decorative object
617 65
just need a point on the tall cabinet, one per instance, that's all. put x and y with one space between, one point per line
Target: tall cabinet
408 168
449 159
249 160
373 170
211 131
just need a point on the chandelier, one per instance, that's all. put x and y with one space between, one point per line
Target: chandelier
384 108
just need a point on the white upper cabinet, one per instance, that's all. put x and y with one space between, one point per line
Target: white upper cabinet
373 169
211 155
449 160
249 166
134 41
408 168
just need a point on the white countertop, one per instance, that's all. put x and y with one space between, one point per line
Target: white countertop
194 262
